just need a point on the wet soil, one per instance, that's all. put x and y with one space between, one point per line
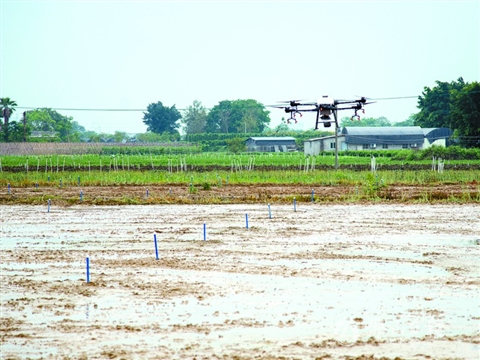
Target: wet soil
239 281
238 194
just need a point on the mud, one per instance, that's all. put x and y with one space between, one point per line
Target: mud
326 281
238 194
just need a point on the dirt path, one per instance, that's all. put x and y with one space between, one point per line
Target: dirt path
324 281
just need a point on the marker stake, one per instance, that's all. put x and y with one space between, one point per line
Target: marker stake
156 247
88 270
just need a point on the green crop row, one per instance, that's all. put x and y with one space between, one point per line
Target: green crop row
224 178
127 161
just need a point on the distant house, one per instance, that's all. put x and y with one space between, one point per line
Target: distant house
271 144
43 134
380 138
437 136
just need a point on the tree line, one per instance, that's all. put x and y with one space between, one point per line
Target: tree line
455 105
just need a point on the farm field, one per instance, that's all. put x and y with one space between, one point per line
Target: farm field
167 181
287 259
151 161
327 281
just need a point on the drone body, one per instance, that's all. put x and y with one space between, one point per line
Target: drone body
324 107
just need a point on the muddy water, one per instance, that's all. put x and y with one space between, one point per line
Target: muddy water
338 280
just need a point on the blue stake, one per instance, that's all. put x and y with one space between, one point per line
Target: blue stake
81 195
294 204
313 195
36 185
88 270
147 194
246 220
204 231
48 203
8 186
156 247
61 183
269 212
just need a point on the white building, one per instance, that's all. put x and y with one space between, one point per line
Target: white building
379 138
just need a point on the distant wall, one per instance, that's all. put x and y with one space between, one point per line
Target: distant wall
26 148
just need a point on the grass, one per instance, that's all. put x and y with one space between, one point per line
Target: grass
227 169
56 163
223 178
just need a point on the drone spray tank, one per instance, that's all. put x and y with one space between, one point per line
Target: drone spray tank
325 105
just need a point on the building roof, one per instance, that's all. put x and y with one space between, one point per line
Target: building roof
38 134
272 138
394 135
433 134
322 138
382 130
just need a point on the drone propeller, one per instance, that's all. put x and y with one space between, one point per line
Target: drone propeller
279 106
291 102
364 99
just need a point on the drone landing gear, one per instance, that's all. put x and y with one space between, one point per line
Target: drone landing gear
356 116
292 117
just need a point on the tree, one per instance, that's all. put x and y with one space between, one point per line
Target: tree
465 114
120 136
409 122
195 118
453 105
40 120
78 132
160 119
7 107
46 119
238 116
236 145
91 136
149 137
436 104
365 122
13 132
63 125
282 127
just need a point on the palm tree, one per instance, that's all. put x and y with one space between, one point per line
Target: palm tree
7 108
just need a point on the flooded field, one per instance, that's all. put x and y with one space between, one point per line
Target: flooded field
322 282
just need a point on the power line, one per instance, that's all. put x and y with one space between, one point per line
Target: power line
78 109
395 98
142 110
138 110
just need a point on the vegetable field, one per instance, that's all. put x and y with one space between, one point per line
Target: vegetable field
222 177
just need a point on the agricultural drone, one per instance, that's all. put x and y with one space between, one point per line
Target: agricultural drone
324 107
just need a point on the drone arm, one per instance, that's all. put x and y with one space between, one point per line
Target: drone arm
317 122
353 107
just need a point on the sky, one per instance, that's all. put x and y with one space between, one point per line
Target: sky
128 54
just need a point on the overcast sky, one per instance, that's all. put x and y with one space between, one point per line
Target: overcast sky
128 54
